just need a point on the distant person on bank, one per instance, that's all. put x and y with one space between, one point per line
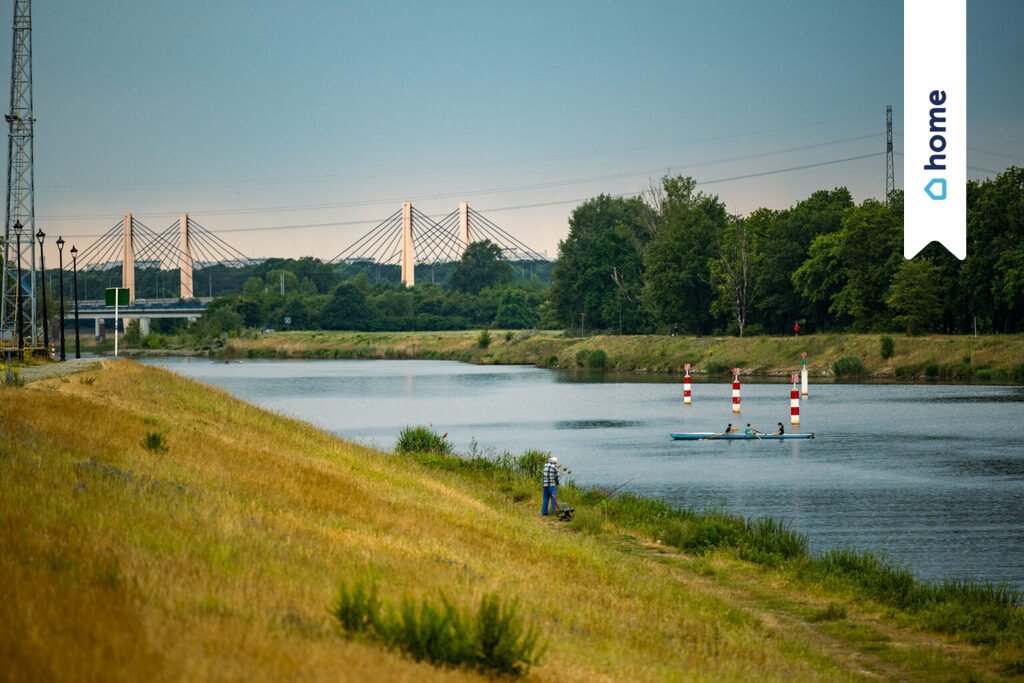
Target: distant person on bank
549 479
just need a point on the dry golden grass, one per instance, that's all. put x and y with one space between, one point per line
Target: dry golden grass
221 557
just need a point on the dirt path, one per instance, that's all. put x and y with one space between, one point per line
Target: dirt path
856 639
46 370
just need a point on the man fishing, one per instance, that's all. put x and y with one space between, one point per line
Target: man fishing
549 480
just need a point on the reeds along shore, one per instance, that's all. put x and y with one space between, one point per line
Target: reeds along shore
157 528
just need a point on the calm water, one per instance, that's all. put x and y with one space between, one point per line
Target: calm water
933 474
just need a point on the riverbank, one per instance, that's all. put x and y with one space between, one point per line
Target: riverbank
158 528
998 358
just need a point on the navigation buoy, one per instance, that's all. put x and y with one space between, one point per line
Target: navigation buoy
794 404
735 390
803 374
687 398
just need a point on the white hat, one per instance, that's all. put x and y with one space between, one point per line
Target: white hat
552 459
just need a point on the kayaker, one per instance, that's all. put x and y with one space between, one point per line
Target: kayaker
781 430
730 429
750 431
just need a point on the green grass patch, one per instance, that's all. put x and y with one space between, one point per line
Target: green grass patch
492 638
849 366
422 440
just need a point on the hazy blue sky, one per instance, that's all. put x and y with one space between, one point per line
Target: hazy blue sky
256 114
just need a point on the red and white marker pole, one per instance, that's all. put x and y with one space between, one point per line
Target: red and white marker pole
735 390
803 374
794 403
687 397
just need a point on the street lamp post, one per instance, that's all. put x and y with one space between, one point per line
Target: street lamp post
74 261
60 259
42 267
21 329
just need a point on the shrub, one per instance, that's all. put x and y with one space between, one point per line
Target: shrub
491 640
358 609
768 541
531 462
1018 373
422 440
592 358
886 347
155 442
483 340
849 366
908 371
931 370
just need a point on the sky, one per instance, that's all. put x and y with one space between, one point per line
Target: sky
293 128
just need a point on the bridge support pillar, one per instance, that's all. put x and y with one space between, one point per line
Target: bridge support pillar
408 247
185 257
128 260
464 233
101 329
144 326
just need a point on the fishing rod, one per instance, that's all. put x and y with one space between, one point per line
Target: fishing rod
612 492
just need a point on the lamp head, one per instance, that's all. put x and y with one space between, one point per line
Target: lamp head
40 235
60 243
17 228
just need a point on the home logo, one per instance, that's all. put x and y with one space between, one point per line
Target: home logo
936 187
935 125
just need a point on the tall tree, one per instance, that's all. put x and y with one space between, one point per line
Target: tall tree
482 265
785 244
914 296
991 275
599 272
868 253
732 273
678 280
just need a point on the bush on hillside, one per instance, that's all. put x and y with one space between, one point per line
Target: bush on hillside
422 440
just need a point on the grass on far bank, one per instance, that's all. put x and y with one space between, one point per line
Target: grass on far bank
220 553
991 358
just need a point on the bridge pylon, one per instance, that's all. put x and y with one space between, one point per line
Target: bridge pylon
128 259
465 236
185 256
408 247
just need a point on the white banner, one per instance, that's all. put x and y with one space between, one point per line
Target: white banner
935 125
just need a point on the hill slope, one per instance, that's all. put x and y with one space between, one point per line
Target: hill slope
217 552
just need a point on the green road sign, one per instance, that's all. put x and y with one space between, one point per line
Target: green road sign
122 294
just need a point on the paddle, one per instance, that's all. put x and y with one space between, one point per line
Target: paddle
711 438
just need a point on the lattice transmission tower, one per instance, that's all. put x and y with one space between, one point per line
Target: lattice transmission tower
20 181
890 172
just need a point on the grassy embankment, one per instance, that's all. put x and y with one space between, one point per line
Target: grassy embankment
985 358
153 528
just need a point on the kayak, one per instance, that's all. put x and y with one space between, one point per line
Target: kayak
737 436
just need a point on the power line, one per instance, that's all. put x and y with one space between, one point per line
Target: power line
455 167
494 190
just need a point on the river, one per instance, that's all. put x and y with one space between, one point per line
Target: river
931 474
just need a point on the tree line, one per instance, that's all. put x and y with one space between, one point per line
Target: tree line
676 260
